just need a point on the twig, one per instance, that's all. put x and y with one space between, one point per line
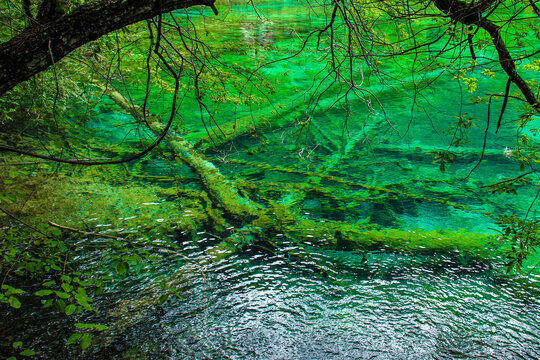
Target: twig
512 179
87 232
505 101
46 162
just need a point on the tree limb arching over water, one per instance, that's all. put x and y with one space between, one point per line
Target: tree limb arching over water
47 40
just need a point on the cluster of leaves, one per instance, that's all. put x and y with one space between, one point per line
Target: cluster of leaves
527 152
460 130
46 268
443 157
18 347
39 265
69 296
509 186
28 255
523 238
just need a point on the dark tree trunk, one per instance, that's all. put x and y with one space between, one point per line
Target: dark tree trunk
49 10
26 10
461 11
507 62
472 14
43 43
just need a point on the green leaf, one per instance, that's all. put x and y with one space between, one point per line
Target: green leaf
62 295
17 344
30 266
81 291
101 327
70 309
84 303
66 278
86 339
67 288
163 298
73 338
86 283
14 302
43 292
60 305
56 232
84 326
13 291
122 267
27 352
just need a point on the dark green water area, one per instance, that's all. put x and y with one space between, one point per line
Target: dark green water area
428 282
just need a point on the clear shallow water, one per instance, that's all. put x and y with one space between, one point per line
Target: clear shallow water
331 304
336 305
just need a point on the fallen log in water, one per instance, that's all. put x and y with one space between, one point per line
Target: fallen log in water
261 224
222 191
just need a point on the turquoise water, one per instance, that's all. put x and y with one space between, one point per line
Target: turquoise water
266 303
380 304
338 306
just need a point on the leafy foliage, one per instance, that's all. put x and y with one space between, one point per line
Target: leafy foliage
522 236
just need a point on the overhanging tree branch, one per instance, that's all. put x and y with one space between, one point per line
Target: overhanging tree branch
34 49
507 62
472 14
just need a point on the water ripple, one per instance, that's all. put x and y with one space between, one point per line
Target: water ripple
395 306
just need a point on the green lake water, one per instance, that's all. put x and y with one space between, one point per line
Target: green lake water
381 304
395 305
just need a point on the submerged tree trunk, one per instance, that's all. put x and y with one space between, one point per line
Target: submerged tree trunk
258 225
222 192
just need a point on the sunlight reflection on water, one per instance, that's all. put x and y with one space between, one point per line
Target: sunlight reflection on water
395 306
